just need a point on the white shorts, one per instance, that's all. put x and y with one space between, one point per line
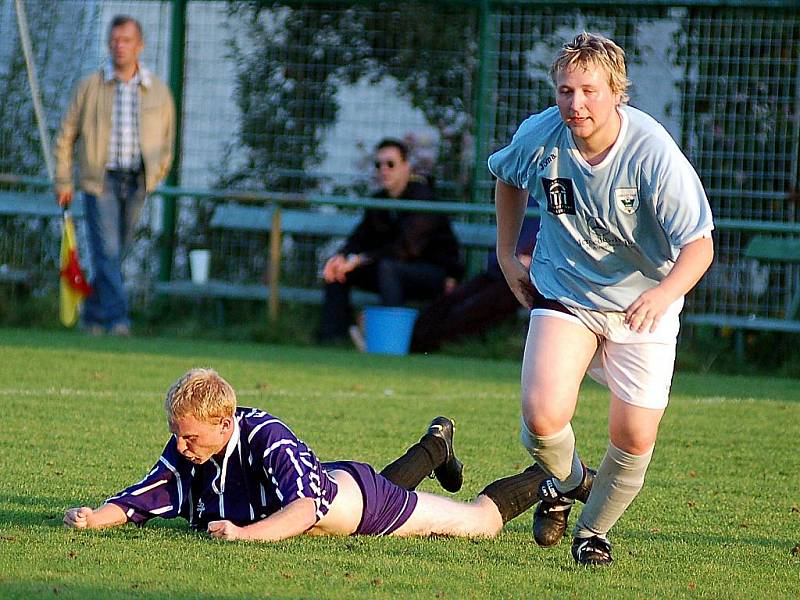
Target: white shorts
636 367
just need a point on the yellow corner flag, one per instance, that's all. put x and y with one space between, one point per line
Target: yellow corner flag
74 287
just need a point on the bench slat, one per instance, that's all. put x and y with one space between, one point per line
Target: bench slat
760 323
35 205
241 218
764 247
259 219
11 275
243 291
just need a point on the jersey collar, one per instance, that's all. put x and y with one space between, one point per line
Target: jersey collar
615 148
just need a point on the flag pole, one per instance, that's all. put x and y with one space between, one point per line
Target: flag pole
36 96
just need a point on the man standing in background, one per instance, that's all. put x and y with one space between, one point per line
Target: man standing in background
123 120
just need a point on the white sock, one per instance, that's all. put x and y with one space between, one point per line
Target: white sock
617 483
555 453
575 476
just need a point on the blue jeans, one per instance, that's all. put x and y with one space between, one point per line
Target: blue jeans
110 223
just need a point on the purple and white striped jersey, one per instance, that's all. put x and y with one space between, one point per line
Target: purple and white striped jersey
264 467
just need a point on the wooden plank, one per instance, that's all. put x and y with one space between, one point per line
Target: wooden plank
274 259
12 275
319 223
757 323
258 218
35 205
241 218
213 288
764 247
475 235
243 291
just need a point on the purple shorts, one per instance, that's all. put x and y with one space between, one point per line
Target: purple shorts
386 506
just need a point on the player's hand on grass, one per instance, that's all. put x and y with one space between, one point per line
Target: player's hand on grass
645 313
78 517
225 530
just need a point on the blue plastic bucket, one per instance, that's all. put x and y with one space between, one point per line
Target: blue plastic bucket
388 329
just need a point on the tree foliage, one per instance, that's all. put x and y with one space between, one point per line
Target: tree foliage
292 60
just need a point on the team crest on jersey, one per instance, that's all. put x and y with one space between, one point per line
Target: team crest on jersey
627 200
560 195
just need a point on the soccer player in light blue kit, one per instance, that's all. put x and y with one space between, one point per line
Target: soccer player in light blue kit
625 234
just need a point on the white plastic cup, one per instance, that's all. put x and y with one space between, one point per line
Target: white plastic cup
199 261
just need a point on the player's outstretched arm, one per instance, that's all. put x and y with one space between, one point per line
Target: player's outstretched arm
293 519
108 515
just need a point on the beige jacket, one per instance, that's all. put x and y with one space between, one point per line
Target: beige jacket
88 120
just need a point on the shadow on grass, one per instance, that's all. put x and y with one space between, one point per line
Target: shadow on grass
41 511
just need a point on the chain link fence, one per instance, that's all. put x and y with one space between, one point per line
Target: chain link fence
292 96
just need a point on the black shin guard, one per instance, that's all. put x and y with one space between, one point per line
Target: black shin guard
417 463
516 494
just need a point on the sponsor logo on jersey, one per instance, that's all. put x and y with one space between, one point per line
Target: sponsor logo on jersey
547 161
560 196
601 236
627 200
201 508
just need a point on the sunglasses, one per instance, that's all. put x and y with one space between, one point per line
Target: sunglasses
388 163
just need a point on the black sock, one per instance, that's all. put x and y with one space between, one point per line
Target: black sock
417 463
516 494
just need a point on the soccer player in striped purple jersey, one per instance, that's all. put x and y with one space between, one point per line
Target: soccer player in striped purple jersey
240 473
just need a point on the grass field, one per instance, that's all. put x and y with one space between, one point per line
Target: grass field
82 418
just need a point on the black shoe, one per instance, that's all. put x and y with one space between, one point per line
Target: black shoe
592 551
552 513
450 472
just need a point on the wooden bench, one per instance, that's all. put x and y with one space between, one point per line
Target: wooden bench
246 218
762 248
237 217
778 249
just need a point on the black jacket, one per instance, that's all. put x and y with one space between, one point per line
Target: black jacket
407 236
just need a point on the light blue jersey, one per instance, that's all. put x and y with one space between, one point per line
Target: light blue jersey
610 231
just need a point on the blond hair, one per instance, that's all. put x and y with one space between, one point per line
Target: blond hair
591 49
202 394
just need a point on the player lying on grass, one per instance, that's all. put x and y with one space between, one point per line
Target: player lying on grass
240 473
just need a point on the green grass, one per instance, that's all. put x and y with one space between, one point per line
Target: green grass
718 517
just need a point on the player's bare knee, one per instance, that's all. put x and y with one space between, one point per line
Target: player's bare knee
636 447
491 519
547 419
632 441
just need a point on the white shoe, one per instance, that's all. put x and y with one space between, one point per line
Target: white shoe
358 338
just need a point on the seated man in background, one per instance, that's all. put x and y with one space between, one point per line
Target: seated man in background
400 255
240 473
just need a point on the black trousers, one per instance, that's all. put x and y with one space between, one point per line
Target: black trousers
395 281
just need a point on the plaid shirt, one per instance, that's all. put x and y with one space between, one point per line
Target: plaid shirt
124 151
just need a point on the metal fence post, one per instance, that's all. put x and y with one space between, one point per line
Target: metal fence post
483 121
176 80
